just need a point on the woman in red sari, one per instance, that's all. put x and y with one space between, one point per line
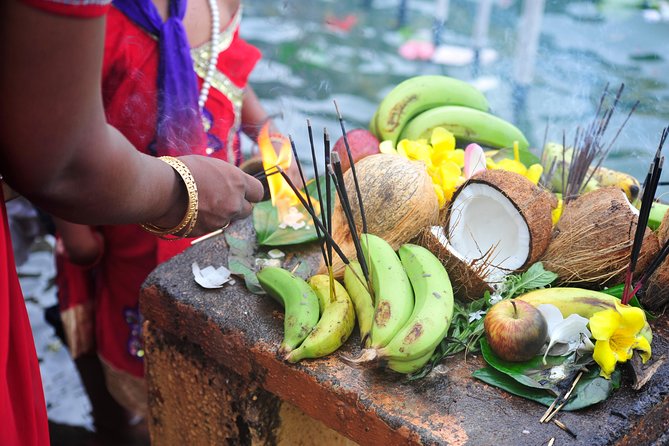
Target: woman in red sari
52 117
123 256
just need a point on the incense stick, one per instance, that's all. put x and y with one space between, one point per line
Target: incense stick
328 204
304 203
313 211
346 205
352 167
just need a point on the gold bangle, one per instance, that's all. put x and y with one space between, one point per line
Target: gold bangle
189 219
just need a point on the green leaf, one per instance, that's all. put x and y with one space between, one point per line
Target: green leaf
239 268
532 373
535 277
266 222
591 388
526 157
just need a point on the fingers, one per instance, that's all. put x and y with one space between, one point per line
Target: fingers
254 189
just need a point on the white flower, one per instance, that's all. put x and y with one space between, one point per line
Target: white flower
211 277
476 315
565 335
495 297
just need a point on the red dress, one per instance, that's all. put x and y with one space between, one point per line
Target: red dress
23 417
130 100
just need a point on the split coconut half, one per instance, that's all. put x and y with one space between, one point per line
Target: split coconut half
592 242
498 222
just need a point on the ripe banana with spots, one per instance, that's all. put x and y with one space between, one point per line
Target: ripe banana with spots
579 301
362 300
335 325
418 94
571 300
299 301
393 295
467 125
607 177
433 309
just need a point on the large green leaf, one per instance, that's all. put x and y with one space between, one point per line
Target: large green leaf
532 373
266 222
591 388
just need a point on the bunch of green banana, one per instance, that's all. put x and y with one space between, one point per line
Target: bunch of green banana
394 300
299 301
362 299
411 345
417 95
467 125
335 325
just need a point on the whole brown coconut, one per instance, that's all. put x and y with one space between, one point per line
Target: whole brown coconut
497 222
592 241
655 295
398 199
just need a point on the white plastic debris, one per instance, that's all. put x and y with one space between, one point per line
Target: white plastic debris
211 277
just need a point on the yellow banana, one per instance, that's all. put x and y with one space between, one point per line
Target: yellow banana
608 177
393 295
334 327
467 125
433 310
299 301
362 300
418 94
579 301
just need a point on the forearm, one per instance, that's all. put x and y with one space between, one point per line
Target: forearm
56 148
253 114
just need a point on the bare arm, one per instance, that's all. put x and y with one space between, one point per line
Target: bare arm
57 149
253 114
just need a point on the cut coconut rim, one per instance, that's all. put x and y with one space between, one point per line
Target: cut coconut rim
503 242
488 273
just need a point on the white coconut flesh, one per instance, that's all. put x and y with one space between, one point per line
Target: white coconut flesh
486 228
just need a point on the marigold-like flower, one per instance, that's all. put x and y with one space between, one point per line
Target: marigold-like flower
618 333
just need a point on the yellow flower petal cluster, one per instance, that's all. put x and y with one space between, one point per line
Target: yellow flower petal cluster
444 162
618 333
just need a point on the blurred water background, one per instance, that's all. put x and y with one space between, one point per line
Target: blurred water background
347 50
311 58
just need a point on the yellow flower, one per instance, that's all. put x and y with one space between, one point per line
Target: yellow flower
618 334
511 165
557 212
441 198
534 173
414 150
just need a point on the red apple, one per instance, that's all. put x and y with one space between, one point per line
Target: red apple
361 142
515 330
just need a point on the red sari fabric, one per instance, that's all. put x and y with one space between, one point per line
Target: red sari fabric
23 419
130 99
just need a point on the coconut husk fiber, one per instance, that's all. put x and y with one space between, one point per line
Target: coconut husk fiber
663 230
398 199
592 241
470 277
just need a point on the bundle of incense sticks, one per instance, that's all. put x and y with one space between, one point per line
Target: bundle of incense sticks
333 175
649 188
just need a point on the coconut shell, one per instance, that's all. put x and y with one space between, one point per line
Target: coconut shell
534 203
592 241
398 199
655 295
467 280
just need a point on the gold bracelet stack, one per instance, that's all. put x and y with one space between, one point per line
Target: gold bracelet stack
188 222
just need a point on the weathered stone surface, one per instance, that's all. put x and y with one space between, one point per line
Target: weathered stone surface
240 331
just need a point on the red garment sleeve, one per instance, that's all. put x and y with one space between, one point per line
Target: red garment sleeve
72 8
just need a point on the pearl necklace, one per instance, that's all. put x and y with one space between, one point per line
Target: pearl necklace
214 53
